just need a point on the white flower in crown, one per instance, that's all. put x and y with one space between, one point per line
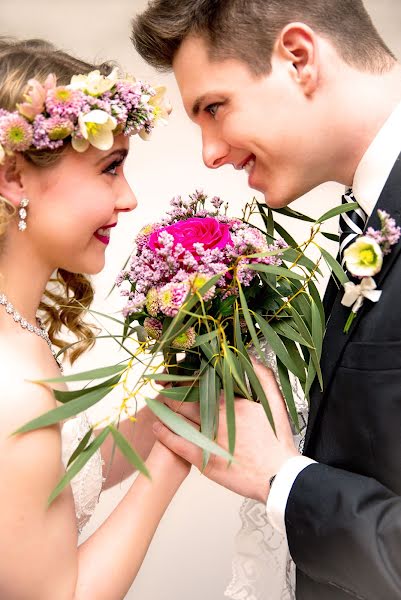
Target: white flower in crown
364 258
97 128
94 83
161 108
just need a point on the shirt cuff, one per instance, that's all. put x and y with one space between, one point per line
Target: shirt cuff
281 488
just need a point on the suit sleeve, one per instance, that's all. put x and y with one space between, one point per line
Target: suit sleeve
344 530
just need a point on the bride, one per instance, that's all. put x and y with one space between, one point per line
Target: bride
63 190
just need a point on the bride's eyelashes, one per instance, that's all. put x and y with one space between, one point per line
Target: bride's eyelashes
111 169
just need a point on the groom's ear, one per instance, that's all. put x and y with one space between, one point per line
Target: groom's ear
297 45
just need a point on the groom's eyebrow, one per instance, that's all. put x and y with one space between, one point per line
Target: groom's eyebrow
197 104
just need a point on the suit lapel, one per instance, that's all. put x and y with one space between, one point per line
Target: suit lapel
335 340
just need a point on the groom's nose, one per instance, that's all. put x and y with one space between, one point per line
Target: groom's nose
215 151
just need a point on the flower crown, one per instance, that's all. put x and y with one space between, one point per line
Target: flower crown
89 111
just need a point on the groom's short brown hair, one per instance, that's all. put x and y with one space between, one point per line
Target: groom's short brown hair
247 30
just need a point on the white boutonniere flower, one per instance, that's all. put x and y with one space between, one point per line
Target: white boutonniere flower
363 260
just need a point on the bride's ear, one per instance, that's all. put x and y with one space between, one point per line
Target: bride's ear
11 186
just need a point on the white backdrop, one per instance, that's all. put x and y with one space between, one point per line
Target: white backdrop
191 552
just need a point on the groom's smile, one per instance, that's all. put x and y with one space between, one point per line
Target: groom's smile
260 123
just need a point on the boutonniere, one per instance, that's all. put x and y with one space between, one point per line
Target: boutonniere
364 260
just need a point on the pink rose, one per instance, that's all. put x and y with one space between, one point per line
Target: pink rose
207 231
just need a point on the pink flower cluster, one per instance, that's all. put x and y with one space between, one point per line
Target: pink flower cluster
388 235
182 252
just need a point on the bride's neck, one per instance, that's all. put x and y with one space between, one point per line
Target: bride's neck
23 280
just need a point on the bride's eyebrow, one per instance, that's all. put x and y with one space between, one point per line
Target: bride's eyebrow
116 155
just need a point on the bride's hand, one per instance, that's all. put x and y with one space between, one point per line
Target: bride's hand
161 457
259 452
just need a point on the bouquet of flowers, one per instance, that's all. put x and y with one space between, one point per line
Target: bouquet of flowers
205 292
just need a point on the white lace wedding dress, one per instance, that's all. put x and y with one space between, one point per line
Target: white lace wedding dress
87 484
262 568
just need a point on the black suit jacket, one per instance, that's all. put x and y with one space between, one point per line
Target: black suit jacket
343 516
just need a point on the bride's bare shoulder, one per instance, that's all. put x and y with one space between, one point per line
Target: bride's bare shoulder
21 397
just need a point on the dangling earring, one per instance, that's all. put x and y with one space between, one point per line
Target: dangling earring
23 214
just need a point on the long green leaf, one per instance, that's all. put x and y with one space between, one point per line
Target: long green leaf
289 212
79 463
287 392
334 266
206 337
236 372
260 393
289 332
230 405
317 300
291 255
208 400
81 446
168 377
71 409
272 270
128 451
64 397
182 393
185 430
87 375
250 325
338 210
277 346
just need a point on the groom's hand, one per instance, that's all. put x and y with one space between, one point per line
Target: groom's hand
259 452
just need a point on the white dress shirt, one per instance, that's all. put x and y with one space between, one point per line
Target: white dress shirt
369 180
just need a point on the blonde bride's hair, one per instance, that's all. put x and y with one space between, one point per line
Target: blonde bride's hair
68 295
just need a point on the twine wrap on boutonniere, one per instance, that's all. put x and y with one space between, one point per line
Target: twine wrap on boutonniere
364 260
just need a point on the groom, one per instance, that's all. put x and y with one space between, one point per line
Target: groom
299 93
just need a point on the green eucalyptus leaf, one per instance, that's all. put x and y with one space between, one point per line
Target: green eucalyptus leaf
277 346
79 463
338 210
68 410
230 405
289 332
204 338
168 377
317 300
81 446
182 393
128 451
289 212
64 397
88 375
260 393
272 270
334 266
184 429
287 392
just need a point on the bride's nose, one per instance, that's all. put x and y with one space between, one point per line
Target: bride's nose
127 200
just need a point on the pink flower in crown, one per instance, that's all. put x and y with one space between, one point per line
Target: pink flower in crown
207 231
35 97
65 102
16 133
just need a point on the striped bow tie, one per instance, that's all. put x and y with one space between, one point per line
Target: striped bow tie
351 224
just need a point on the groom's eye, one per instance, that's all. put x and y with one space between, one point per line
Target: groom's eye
212 108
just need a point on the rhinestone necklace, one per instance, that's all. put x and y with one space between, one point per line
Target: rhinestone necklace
38 330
